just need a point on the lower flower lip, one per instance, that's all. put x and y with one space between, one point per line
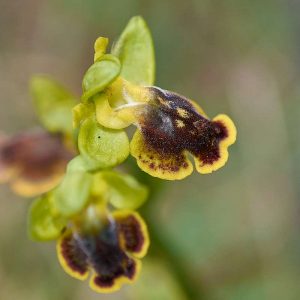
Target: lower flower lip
112 253
33 161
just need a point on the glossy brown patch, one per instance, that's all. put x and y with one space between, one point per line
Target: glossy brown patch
106 256
163 131
73 256
131 230
108 281
210 151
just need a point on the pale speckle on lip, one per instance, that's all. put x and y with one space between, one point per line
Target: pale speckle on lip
179 123
182 112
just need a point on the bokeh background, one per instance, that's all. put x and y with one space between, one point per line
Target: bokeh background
231 235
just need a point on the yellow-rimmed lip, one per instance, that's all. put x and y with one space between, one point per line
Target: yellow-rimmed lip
112 253
34 161
173 126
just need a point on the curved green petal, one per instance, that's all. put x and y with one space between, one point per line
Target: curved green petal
125 192
42 224
53 104
104 71
72 195
102 147
135 50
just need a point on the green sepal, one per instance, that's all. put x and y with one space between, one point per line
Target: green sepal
53 104
43 224
135 51
103 72
124 191
102 147
72 194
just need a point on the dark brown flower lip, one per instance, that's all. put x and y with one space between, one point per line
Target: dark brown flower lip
111 251
102 252
103 281
172 125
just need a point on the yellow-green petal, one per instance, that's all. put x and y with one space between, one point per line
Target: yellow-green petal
72 195
124 191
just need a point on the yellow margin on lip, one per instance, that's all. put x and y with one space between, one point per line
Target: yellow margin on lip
123 214
63 262
118 282
138 148
224 144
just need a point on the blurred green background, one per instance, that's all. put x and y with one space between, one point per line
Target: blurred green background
230 235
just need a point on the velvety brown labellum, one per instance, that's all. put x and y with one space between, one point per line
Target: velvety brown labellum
73 255
171 125
104 254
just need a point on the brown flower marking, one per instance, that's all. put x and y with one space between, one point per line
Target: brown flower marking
111 252
169 127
